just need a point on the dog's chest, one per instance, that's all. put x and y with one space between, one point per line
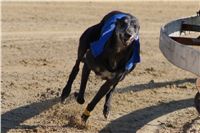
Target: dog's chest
106 67
100 66
115 59
105 74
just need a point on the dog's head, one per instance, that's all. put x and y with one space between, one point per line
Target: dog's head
127 29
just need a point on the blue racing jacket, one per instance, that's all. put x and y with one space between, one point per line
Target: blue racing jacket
97 47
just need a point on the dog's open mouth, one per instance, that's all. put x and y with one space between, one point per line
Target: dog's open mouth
126 41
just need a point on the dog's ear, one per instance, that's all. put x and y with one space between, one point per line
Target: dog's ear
137 23
138 27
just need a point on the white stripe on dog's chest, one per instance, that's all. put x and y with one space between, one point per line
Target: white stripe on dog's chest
104 74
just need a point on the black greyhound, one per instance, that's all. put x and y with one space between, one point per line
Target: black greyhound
111 63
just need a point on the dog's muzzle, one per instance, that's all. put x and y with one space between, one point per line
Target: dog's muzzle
132 38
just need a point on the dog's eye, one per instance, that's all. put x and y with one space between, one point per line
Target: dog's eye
123 24
132 23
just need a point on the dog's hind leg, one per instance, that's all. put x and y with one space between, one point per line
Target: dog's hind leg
67 89
90 35
81 52
82 49
85 74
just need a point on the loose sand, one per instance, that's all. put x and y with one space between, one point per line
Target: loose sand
39 48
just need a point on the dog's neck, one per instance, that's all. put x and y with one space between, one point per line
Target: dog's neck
116 52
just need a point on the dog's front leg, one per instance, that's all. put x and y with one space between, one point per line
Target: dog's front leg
107 105
105 88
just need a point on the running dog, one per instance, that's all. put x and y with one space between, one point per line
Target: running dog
111 49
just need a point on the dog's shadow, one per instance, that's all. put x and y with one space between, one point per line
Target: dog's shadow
13 118
154 85
132 122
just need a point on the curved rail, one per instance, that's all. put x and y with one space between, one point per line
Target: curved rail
183 56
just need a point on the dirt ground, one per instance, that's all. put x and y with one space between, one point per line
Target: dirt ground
39 47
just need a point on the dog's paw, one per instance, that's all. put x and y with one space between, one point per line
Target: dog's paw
106 112
62 98
84 118
64 95
79 98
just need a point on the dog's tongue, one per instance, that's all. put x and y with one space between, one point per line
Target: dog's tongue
131 39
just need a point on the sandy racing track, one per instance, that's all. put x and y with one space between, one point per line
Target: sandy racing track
39 43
